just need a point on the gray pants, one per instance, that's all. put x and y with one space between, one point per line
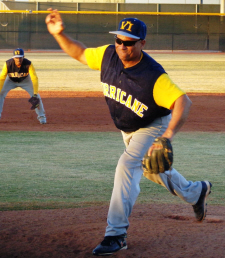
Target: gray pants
27 85
129 172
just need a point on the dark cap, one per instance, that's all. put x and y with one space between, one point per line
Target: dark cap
18 52
132 28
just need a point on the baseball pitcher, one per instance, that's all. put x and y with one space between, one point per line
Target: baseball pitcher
149 109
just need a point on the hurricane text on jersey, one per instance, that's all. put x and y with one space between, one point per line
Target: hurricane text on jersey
124 98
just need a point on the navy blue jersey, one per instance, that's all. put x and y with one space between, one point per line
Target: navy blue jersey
18 74
129 91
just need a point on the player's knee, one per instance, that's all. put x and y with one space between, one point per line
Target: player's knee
126 161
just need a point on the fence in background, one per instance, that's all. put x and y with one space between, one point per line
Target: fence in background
166 31
113 7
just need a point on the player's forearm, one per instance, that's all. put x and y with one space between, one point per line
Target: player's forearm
34 78
179 116
73 48
2 80
3 75
56 27
35 86
1 84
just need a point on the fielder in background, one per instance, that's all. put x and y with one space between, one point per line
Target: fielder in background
140 96
19 72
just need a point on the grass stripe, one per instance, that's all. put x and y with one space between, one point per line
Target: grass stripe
70 169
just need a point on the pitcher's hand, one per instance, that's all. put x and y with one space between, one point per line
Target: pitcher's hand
54 22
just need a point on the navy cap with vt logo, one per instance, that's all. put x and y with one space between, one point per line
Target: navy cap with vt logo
132 28
18 52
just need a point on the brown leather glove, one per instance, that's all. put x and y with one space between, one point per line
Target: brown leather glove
35 101
161 159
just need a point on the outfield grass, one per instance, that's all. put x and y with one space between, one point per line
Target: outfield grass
192 72
73 169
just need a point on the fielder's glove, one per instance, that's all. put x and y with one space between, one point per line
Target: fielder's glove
34 102
161 158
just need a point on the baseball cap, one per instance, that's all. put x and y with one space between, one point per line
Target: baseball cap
18 52
132 28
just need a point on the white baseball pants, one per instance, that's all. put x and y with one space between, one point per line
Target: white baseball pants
128 175
27 85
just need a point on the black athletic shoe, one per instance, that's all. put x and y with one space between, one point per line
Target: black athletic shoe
200 207
110 245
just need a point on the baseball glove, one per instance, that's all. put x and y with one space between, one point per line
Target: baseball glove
34 102
161 158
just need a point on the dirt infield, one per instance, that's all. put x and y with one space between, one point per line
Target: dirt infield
87 111
156 230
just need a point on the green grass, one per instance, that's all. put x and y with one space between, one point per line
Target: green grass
45 168
73 169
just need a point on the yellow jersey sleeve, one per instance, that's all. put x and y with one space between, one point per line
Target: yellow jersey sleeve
34 78
3 75
165 91
94 57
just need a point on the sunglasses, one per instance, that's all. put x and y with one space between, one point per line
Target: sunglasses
126 43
